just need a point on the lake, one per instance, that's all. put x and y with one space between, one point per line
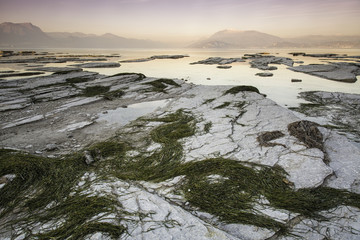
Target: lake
278 88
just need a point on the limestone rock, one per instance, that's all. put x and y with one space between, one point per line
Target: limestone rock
341 71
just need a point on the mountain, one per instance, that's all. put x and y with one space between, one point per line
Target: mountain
238 39
24 34
329 41
254 39
28 35
108 40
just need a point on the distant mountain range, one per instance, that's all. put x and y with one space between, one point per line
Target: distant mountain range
254 39
28 35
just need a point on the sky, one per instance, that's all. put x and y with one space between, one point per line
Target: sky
185 20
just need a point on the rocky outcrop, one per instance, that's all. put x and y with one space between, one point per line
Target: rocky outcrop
339 111
154 58
340 71
219 61
261 61
98 65
264 74
179 161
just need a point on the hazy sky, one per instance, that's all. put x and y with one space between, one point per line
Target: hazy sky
188 19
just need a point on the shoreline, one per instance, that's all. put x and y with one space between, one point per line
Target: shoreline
201 162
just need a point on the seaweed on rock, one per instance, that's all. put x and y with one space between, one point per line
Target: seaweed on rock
308 133
237 89
233 199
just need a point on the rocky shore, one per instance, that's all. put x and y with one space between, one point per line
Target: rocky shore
89 156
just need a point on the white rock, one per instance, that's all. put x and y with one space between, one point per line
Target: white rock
306 169
344 159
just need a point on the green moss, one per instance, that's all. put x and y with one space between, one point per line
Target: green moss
237 89
95 91
114 94
156 165
160 85
139 76
224 105
77 211
52 178
232 196
78 79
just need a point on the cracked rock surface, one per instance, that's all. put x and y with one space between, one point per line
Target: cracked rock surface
153 169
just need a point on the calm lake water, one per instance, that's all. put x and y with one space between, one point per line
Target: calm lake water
278 88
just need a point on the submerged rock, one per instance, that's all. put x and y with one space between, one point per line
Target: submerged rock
224 66
264 74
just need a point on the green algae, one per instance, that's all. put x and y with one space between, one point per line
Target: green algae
233 198
95 90
161 84
113 94
138 76
48 183
237 89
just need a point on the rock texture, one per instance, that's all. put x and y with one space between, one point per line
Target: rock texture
207 162
154 58
219 61
340 71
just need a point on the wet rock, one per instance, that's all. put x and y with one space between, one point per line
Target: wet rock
264 74
262 62
218 60
224 66
154 58
58 70
344 72
98 65
22 74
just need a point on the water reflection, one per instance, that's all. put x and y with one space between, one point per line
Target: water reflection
278 88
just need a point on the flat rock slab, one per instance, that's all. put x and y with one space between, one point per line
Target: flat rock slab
219 60
98 65
343 72
154 58
237 124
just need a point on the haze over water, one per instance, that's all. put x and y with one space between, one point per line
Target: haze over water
188 20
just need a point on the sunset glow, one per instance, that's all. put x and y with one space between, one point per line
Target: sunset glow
187 19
